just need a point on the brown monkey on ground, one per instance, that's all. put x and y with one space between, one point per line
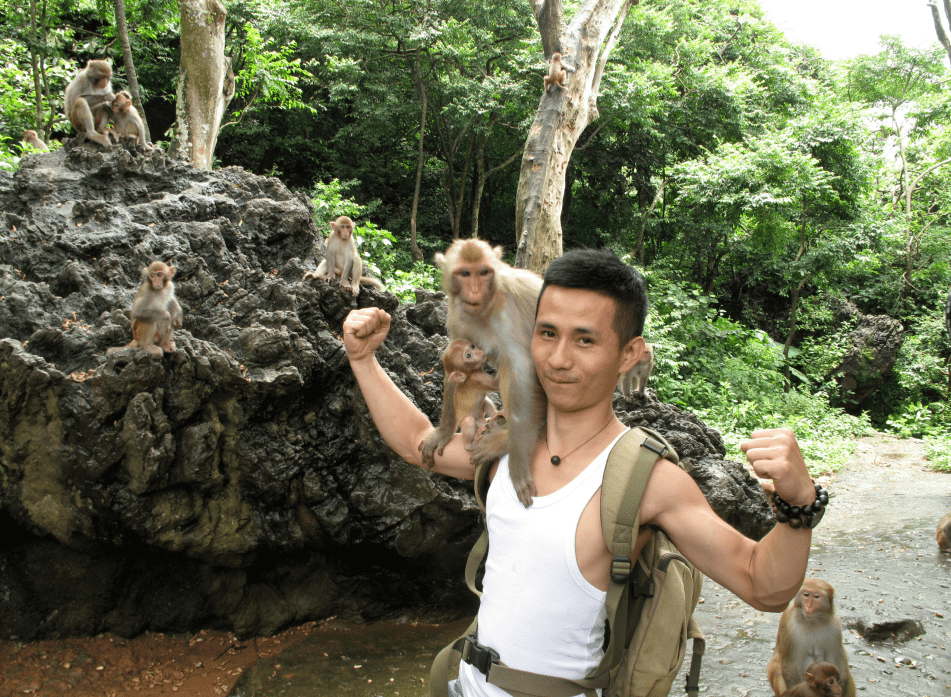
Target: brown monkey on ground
822 680
464 364
126 122
635 380
557 75
88 104
342 260
944 533
809 632
492 305
155 311
33 140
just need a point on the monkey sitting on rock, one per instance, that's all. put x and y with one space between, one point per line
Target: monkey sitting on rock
342 262
155 311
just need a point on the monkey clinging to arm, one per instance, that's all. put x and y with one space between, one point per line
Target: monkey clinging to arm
492 306
342 260
466 385
809 632
155 311
88 103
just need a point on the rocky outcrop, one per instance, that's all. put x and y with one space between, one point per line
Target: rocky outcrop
239 481
873 351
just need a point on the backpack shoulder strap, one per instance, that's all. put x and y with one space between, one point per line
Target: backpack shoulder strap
625 477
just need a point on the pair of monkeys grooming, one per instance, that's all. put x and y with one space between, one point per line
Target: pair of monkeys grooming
90 106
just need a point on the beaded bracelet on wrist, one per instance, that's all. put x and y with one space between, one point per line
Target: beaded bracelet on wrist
807 516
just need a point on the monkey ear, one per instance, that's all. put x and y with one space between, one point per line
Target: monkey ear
497 251
171 271
440 259
457 376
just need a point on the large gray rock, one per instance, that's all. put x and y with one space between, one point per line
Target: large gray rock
873 351
238 482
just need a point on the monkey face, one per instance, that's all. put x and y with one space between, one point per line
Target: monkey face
814 599
474 285
343 226
575 348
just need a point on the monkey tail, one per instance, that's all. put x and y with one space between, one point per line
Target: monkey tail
369 281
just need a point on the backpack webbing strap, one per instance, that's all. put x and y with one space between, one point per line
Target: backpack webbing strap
699 647
439 673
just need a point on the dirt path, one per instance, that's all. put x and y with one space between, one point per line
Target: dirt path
876 546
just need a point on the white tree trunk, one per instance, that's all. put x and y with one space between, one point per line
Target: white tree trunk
205 80
562 115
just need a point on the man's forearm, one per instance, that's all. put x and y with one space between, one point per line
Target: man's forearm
399 421
779 565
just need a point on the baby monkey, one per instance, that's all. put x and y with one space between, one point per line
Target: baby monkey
126 123
822 680
464 363
155 311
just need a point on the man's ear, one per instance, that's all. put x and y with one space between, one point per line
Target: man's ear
632 352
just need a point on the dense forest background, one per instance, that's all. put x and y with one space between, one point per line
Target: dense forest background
757 185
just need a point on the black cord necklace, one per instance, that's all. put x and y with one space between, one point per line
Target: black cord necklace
555 460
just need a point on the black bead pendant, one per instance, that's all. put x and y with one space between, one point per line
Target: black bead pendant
555 460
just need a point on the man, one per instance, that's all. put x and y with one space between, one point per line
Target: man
548 568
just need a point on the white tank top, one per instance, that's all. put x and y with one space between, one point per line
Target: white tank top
537 609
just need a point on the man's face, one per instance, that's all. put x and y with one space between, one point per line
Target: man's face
575 348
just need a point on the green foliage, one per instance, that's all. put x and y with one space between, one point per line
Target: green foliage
939 452
731 377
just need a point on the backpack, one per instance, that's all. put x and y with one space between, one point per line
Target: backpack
649 603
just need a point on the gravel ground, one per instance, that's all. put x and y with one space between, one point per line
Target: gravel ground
876 546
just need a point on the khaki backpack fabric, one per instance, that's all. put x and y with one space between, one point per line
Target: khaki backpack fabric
650 602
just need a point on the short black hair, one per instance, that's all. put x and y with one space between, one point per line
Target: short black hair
600 270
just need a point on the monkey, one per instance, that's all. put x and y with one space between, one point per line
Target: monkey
33 140
88 103
557 72
809 632
464 364
822 680
492 305
635 380
342 260
155 311
126 122
944 533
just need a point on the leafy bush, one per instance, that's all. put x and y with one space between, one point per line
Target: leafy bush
731 377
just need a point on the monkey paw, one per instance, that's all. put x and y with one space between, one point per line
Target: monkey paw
525 490
154 350
168 347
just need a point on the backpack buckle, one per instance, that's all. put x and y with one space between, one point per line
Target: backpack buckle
480 657
621 568
654 446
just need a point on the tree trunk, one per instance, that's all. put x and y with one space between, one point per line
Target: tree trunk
939 28
35 65
205 80
130 67
413 246
562 115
